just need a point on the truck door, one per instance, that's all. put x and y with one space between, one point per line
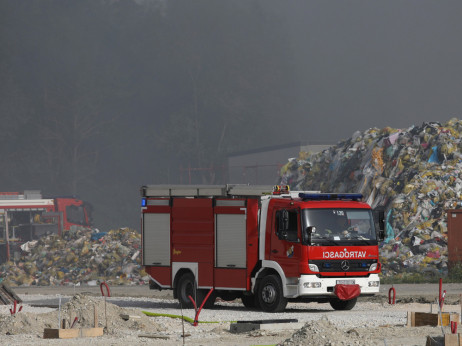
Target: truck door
285 240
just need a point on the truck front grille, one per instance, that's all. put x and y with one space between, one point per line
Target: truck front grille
343 265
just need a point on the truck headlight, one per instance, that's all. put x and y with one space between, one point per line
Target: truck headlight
313 267
373 267
311 284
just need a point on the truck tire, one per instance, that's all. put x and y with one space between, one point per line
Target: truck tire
249 301
338 304
186 287
270 295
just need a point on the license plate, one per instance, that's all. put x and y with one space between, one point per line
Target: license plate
345 282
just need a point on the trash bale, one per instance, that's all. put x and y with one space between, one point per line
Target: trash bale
79 257
415 174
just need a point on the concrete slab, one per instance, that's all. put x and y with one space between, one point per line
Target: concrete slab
248 327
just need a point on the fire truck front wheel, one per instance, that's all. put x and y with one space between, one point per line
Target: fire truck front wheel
249 301
338 304
270 294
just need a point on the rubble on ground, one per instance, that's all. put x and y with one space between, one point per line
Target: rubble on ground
80 257
324 332
415 174
83 308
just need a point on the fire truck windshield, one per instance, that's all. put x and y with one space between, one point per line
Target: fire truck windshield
341 226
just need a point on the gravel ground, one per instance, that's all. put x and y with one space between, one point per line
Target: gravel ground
371 322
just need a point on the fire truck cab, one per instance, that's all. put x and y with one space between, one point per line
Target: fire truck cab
263 246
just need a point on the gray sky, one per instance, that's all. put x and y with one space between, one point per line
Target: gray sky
369 64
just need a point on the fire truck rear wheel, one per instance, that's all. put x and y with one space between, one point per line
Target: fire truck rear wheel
186 287
270 294
338 304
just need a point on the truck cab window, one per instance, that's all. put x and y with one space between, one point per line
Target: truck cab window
75 214
287 225
349 225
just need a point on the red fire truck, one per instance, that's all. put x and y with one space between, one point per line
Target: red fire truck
28 216
264 247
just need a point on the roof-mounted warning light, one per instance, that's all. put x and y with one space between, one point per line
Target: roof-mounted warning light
330 196
281 189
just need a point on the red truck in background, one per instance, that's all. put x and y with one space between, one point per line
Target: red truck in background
264 247
28 216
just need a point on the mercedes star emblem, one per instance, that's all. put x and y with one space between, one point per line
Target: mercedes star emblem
345 265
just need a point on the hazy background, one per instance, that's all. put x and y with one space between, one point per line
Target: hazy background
98 97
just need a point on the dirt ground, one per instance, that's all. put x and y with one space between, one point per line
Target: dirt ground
372 322
404 292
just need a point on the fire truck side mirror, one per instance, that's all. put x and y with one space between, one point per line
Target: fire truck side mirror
308 231
381 235
283 220
381 220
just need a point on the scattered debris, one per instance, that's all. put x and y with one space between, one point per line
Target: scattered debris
83 308
323 332
50 333
129 317
282 324
446 340
7 295
79 257
418 319
156 336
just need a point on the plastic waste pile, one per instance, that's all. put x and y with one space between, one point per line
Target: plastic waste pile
81 257
415 174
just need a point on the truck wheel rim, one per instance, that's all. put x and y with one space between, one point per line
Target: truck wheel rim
268 294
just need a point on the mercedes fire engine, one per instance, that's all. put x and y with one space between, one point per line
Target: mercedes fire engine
265 247
28 216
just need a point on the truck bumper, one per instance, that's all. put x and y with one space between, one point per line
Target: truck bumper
311 285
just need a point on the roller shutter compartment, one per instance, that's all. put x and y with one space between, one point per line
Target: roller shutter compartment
156 239
230 241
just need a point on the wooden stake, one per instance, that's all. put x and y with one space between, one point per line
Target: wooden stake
105 312
96 316
460 304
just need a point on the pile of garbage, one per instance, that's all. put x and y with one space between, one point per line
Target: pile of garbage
415 174
80 257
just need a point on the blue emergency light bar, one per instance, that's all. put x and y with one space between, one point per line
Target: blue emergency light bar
143 202
330 196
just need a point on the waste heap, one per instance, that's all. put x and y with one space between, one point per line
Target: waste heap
415 174
77 258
